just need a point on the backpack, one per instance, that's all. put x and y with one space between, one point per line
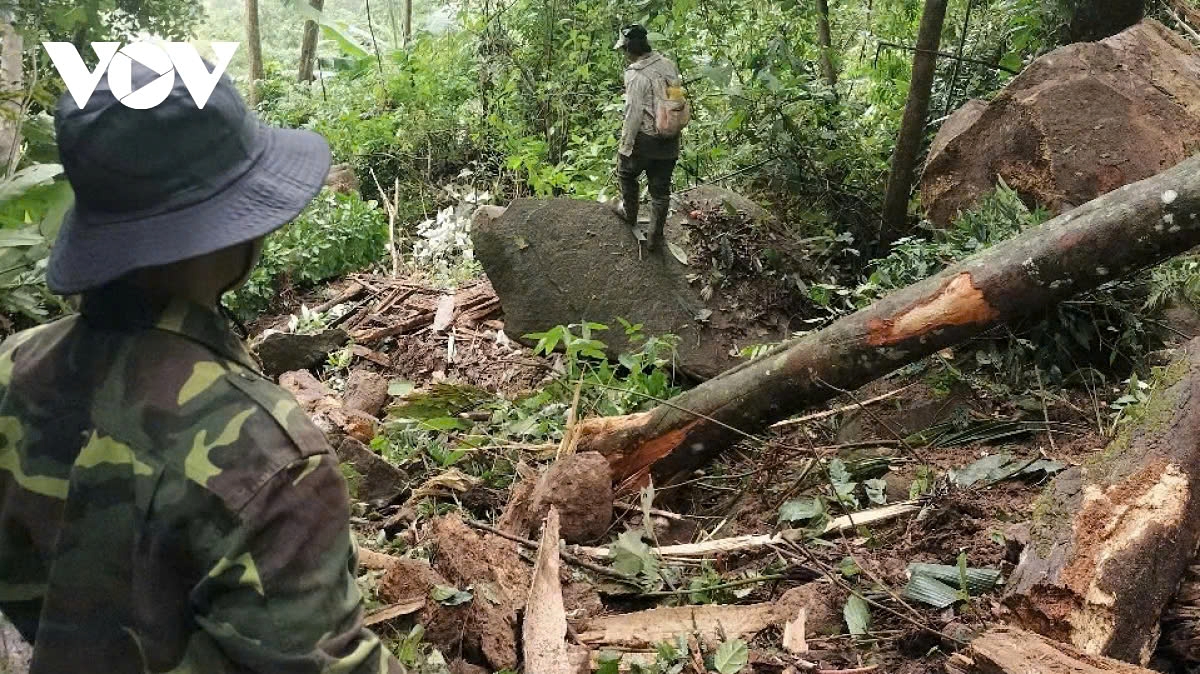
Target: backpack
672 111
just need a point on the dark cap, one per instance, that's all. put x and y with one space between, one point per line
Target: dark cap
158 186
632 33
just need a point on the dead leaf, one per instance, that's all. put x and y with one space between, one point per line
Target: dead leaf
389 613
545 629
677 252
453 481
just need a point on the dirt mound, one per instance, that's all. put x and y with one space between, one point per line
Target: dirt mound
580 486
484 629
561 262
1080 121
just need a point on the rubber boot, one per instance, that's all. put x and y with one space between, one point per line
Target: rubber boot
658 224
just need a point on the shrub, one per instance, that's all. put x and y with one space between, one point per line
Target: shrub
335 235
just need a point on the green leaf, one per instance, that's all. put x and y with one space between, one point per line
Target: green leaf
849 568
609 662
399 388
449 596
445 424
931 591
20 238
27 179
801 510
857 615
876 491
632 557
838 472
347 44
978 580
981 470
732 657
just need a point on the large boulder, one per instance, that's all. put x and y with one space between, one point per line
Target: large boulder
1080 121
563 261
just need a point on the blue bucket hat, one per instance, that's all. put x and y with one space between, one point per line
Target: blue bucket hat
154 187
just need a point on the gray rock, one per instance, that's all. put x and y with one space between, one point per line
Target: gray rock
284 352
563 261
377 479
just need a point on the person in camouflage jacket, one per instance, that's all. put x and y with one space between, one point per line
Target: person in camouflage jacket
163 506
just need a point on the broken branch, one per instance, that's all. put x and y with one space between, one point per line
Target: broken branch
745 543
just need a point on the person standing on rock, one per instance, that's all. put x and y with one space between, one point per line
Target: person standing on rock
163 506
656 111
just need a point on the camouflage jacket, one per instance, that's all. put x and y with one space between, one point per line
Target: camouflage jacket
164 508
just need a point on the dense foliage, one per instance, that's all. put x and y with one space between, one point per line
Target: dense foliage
337 234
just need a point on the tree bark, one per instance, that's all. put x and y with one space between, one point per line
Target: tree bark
825 40
12 84
1006 650
1112 540
254 50
912 125
1121 232
308 46
1181 621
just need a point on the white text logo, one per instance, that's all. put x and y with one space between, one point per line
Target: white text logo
117 61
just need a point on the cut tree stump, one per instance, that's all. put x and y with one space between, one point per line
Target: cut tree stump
1117 234
1008 650
1111 540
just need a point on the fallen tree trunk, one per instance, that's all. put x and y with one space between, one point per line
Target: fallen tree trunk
1121 232
1111 540
1006 650
1181 621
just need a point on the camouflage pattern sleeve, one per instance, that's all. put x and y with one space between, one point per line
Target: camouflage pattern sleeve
283 597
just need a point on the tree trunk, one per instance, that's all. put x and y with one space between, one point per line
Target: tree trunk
1121 232
912 125
12 85
308 46
1112 540
407 21
254 50
826 42
1006 650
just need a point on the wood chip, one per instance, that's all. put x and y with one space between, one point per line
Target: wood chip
445 313
713 624
545 629
794 637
